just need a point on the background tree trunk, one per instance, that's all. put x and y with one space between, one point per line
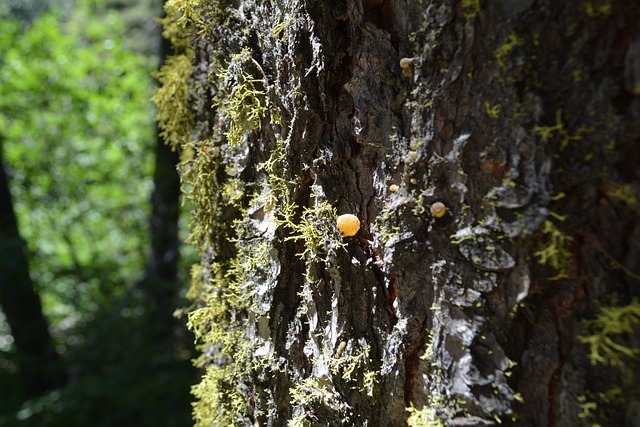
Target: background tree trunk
39 362
160 284
521 118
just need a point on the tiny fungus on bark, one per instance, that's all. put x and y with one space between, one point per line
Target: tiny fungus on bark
348 225
438 209
393 188
405 64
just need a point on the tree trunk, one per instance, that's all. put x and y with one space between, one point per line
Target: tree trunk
40 366
160 284
489 151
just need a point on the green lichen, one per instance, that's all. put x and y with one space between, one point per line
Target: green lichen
369 380
503 52
235 253
354 368
174 117
428 353
493 111
384 224
577 75
197 286
597 9
176 27
420 208
441 406
627 193
554 250
595 406
246 106
607 343
240 260
187 11
559 130
608 327
472 9
277 194
425 417
227 354
313 227
281 28
202 180
305 395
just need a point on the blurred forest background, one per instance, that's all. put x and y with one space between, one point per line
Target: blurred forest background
91 262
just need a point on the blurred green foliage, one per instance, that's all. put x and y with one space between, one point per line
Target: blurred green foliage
78 134
78 130
26 10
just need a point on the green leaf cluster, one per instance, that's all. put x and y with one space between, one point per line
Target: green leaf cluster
77 130
78 134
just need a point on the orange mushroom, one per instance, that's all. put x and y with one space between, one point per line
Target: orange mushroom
348 225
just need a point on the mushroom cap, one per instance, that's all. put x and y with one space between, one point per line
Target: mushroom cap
348 224
406 62
438 209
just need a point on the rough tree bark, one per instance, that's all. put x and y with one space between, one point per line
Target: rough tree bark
40 366
521 117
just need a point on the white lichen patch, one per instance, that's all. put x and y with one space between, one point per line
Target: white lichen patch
486 254
476 245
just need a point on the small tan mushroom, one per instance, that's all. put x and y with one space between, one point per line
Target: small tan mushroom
438 209
405 64
348 225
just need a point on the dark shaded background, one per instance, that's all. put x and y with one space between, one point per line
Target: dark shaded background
87 333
